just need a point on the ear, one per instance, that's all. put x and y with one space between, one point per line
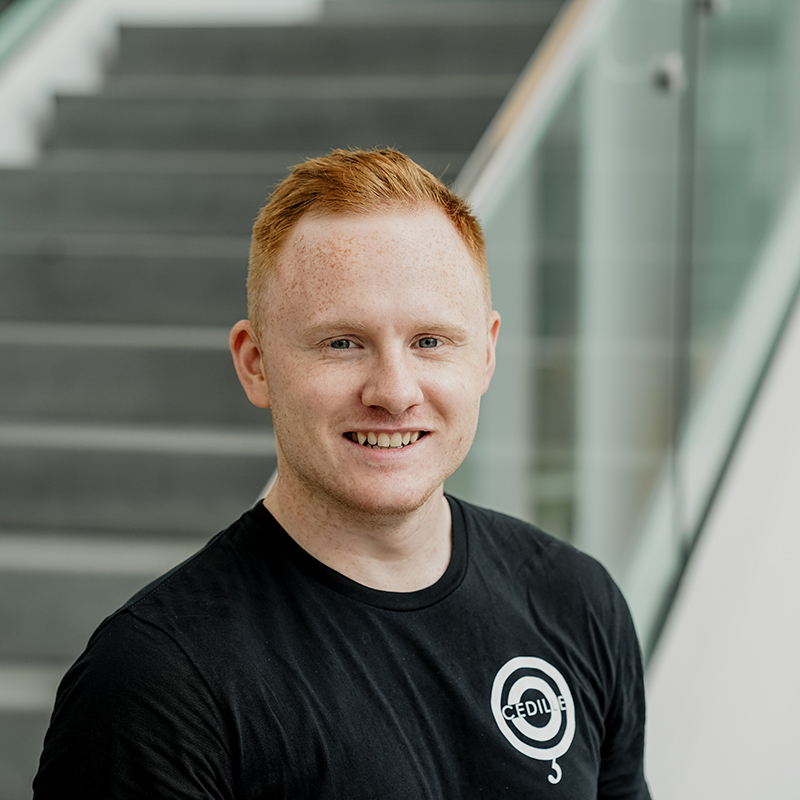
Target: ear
246 354
491 346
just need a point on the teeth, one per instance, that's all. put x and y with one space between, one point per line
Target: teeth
385 440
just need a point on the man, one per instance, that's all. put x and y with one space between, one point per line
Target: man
358 634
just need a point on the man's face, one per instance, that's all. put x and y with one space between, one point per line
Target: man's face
376 327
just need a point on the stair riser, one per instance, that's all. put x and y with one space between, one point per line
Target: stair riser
50 616
131 202
123 289
423 50
146 202
21 737
191 493
310 125
125 384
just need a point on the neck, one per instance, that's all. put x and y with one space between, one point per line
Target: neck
396 553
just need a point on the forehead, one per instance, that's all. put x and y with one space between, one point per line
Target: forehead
413 253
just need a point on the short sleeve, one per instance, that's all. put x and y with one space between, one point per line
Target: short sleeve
133 718
622 751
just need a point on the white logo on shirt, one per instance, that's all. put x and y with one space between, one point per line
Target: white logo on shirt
534 709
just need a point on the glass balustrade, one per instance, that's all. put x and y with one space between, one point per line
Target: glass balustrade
642 244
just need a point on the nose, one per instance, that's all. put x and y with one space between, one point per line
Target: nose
392 383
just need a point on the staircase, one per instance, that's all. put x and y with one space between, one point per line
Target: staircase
125 440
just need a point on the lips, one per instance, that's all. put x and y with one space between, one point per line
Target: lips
385 441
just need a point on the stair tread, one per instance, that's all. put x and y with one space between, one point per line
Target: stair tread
161 245
267 87
471 42
75 554
29 686
76 334
193 162
206 440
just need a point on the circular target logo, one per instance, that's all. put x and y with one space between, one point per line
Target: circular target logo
533 707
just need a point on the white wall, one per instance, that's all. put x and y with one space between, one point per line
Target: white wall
724 684
69 51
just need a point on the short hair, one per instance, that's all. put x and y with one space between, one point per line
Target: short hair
351 182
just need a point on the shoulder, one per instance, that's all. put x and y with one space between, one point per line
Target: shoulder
188 621
198 590
556 571
133 711
515 538
131 653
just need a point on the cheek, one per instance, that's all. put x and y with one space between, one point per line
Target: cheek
464 381
285 384
457 394
286 376
309 394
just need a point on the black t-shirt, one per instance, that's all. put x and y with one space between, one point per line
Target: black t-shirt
254 671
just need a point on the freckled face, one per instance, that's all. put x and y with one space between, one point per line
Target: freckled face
377 348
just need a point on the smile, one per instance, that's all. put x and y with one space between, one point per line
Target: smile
385 441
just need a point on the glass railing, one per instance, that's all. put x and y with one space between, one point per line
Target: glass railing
640 200
19 20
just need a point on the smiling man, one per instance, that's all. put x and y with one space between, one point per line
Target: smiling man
358 634
378 342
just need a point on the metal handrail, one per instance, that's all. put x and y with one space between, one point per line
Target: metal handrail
533 100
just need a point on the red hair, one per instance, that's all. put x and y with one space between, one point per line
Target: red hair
351 182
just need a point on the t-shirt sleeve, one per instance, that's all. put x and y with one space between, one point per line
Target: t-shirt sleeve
621 768
133 718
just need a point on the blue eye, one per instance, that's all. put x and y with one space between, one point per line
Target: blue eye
341 344
428 342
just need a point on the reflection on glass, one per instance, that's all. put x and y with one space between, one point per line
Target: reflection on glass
628 252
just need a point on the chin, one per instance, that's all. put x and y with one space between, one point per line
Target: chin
387 503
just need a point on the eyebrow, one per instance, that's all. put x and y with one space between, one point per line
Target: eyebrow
324 329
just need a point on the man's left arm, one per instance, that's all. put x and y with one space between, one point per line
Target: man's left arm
622 753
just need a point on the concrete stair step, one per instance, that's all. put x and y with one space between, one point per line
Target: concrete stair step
21 737
311 124
312 88
472 47
55 589
123 280
443 12
117 373
179 161
157 192
214 162
125 201
62 610
129 478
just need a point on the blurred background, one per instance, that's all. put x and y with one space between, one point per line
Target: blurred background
636 166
